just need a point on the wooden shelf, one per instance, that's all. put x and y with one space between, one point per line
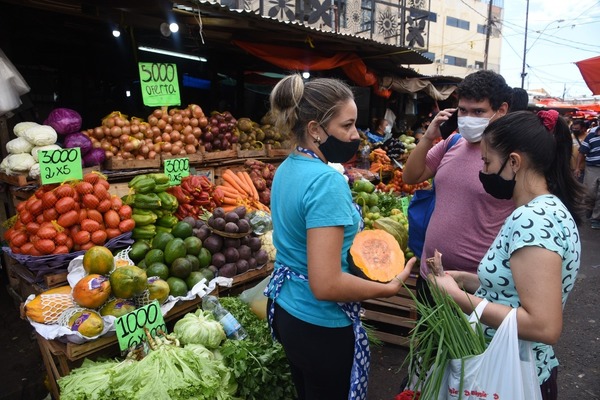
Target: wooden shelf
114 164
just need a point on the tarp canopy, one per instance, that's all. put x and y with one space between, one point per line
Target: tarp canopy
590 70
413 85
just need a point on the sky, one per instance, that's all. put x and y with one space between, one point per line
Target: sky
553 47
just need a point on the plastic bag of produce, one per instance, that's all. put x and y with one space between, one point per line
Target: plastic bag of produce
19 163
256 299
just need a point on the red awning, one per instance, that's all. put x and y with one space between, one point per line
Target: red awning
590 70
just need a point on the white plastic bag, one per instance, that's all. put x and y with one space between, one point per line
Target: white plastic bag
505 370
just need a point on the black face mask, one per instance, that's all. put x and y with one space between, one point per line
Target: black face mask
497 186
338 151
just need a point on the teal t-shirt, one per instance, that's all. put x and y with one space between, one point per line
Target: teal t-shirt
307 193
544 222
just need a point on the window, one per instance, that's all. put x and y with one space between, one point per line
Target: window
459 62
367 15
458 23
428 15
481 28
478 64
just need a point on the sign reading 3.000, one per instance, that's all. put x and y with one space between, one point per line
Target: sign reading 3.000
57 166
177 168
160 84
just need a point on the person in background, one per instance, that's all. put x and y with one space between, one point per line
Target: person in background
519 100
420 129
588 165
313 307
465 219
533 262
578 133
383 128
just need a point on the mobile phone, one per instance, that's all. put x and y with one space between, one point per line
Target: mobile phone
450 125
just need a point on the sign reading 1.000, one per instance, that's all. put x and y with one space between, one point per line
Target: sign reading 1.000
57 166
160 85
130 327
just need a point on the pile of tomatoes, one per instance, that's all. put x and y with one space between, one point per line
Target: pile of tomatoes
397 185
72 216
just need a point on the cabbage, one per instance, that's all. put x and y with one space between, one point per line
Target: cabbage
78 140
34 171
34 151
94 157
21 127
64 120
4 166
41 135
18 145
199 328
19 162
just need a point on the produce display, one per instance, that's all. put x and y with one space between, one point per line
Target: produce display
195 361
397 185
261 175
238 188
22 151
72 216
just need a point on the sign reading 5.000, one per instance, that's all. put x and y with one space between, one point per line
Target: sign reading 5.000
177 168
57 166
160 85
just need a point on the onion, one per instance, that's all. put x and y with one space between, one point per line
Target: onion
214 130
155 131
139 136
106 131
99 132
175 136
186 119
97 145
135 127
177 127
109 122
105 145
115 142
202 122
152 120
166 147
116 131
161 124
108 154
197 132
124 138
172 111
157 113
166 137
187 130
119 122
140 157
177 118
194 122
175 149
156 147
168 128
190 149
151 154
189 139
214 121
144 150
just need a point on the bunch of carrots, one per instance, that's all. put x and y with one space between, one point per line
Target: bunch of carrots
236 190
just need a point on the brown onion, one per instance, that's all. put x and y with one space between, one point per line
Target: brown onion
152 120
166 137
116 131
175 136
168 128
175 149
187 130
157 113
99 132
166 147
161 124
189 139
151 154
190 149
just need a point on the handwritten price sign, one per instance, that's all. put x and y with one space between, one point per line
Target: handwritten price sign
177 168
160 85
57 166
130 327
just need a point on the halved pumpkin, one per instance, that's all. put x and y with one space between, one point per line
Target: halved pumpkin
376 255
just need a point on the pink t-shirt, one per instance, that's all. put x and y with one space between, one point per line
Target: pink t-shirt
466 219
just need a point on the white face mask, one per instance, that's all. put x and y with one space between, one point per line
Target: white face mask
471 128
388 129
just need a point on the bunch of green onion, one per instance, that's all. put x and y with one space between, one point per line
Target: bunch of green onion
443 332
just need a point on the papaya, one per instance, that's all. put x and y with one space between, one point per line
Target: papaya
394 228
128 281
92 291
98 260
87 322
47 306
117 307
158 288
376 255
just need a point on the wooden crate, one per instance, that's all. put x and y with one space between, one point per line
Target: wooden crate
194 159
246 280
277 153
114 164
18 179
253 153
120 189
218 156
393 317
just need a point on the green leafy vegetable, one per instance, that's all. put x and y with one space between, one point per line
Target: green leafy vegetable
200 328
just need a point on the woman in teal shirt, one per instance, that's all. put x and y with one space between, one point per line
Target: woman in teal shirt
313 307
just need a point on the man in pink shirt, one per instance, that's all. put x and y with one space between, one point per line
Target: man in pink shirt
466 219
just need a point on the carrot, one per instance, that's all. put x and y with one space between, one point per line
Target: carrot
251 184
243 183
229 200
230 177
227 208
228 191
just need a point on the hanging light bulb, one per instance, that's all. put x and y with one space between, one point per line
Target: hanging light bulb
116 32
173 27
306 74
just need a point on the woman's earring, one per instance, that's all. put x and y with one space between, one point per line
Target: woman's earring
317 140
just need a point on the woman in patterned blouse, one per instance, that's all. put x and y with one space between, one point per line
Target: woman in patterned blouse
533 262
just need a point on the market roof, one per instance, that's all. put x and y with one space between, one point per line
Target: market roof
219 25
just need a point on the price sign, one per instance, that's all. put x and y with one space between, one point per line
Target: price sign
177 168
160 85
404 201
130 327
57 166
